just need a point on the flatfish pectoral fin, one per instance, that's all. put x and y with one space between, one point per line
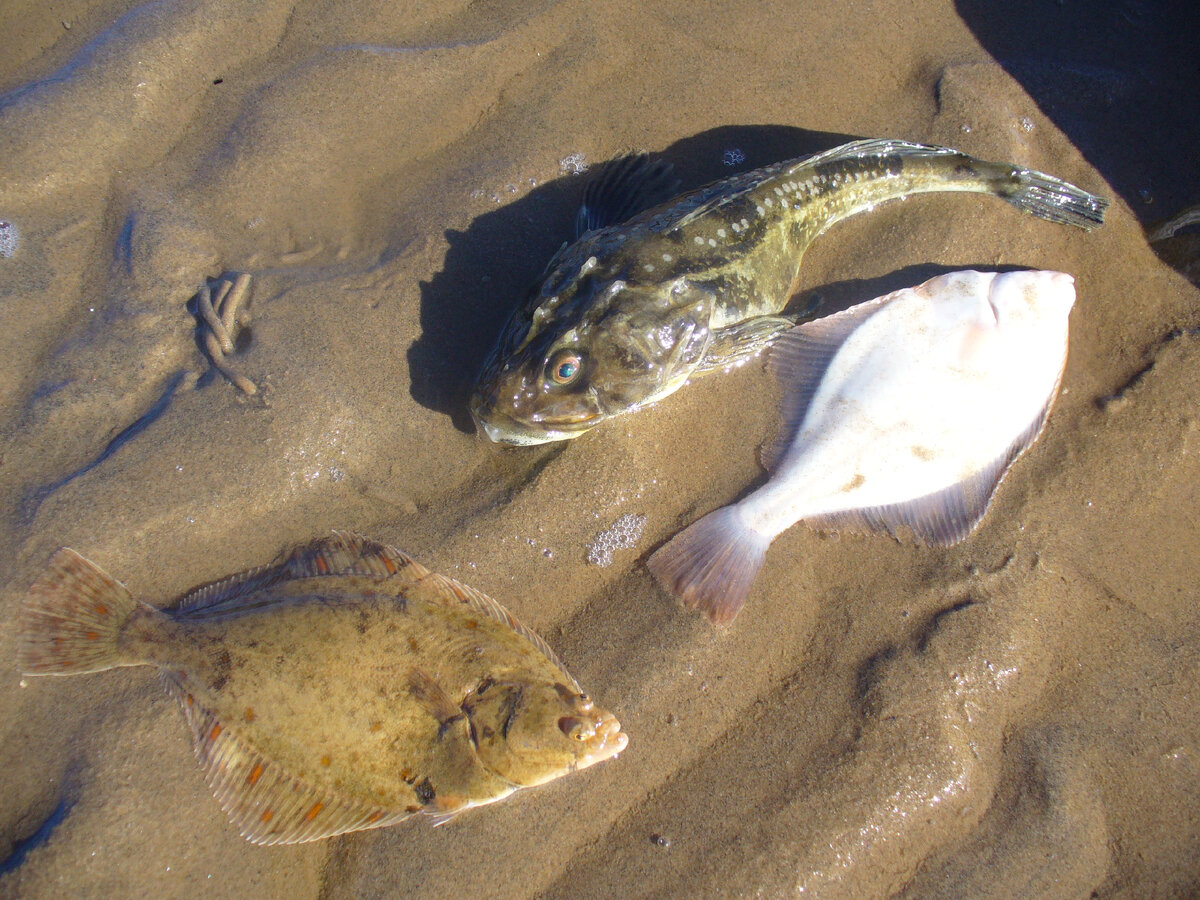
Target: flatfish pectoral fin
946 517
737 344
433 699
264 801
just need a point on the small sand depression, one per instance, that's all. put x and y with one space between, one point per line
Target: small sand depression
1013 716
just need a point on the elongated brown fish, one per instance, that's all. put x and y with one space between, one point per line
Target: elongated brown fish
631 310
904 412
343 688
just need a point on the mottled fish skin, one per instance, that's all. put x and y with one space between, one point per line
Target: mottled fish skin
344 688
626 314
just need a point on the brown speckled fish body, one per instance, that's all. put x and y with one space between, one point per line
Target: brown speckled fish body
626 314
344 688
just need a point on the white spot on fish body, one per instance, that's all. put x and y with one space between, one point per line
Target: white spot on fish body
698 239
759 210
647 267
778 192
711 242
768 202
721 232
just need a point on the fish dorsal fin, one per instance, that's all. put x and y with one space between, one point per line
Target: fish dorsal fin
265 802
347 553
947 516
626 186
799 360
455 593
342 553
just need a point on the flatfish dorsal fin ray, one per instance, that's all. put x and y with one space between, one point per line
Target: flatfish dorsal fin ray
946 517
264 801
342 553
798 361
441 588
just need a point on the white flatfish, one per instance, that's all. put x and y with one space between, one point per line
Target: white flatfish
903 412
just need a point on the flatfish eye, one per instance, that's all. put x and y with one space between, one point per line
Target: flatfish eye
565 366
576 729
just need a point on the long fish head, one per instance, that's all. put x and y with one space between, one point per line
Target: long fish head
530 732
585 348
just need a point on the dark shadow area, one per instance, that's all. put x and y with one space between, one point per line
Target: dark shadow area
490 266
22 847
1121 79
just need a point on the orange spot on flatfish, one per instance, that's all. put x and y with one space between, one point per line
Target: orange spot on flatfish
375 816
248 715
216 732
266 816
322 565
92 635
255 773
191 701
101 609
472 624
312 813
325 760
389 565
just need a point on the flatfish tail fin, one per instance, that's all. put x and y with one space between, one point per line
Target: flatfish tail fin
1053 199
711 564
71 621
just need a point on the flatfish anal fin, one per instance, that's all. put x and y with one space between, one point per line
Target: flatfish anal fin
264 801
625 187
440 589
946 517
342 553
799 360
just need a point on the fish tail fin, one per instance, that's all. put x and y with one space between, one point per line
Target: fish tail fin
711 564
72 619
1051 198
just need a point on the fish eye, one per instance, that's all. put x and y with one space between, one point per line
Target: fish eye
564 366
575 729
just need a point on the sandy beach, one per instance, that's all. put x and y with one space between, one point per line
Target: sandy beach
1014 716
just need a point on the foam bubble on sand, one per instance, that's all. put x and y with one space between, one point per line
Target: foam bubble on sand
8 239
620 535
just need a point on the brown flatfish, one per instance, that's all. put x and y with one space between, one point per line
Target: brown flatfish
344 687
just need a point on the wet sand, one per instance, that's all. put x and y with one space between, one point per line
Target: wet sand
1011 717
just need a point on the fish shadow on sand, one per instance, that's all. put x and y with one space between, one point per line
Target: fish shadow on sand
490 266
1119 79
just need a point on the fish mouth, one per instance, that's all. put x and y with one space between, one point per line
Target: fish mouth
504 429
607 742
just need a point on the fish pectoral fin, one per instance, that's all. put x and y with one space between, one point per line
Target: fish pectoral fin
625 187
943 518
735 344
798 361
267 803
430 695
